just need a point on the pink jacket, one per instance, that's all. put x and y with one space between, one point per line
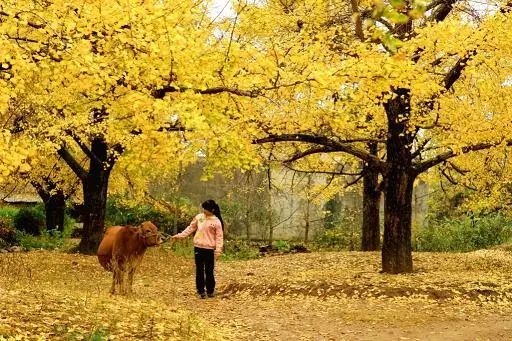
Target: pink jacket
209 233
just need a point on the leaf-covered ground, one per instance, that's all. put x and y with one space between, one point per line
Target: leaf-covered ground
317 296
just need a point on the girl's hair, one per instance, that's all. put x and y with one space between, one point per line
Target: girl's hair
211 205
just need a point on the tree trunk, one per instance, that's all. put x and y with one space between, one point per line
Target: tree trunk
247 221
397 250
399 177
370 240
270 226
269 209
55 207
177 197
54 203
95 189
307 217
306 227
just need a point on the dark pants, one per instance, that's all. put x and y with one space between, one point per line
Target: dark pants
204 270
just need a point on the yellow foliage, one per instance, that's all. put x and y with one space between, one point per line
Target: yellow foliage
57 296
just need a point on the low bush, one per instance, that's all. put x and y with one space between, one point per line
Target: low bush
282 245
463 234
338 238
48 239
240 250
7 232
8 212
30 220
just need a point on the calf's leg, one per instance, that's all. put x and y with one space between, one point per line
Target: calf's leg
116 281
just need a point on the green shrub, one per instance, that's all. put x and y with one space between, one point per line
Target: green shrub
240 250
30 220
48 239
7 232
339 238
69 226
8 212
463 234
282 245
182 247
98 334
342 228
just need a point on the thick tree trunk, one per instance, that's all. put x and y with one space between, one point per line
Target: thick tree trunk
54 203
371 216
370 240
397 250
55 208
95 189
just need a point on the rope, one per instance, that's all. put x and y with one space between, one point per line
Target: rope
166 238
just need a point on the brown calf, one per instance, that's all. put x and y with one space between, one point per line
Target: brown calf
122 249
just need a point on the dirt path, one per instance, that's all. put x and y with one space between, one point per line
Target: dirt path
291 320
257 307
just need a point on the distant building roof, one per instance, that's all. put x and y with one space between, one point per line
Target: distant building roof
21 198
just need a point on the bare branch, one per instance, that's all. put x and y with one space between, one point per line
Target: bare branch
386 23
327 172
449 177
441 9
456 71
173 128
457 168
340 146
420 149
355 181
160 93
87 151
72 163
358 19
421 167
315 150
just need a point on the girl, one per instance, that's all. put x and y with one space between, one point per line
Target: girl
208 242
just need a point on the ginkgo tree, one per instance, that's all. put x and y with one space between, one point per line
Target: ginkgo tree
427 82
43 170
100 76
478 182
285 28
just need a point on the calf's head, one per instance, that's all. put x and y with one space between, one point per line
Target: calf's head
150 234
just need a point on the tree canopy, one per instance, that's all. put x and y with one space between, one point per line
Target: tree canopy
404 87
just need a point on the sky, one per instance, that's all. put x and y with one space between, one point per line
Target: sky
222 8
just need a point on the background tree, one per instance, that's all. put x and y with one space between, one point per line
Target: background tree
300 25
101 80
425 94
